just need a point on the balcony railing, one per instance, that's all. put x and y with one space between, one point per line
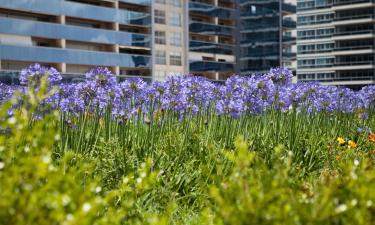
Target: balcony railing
289 24
207 28
198 66
73 56
11 77
354 63
348 48
216 48
351 2
210 10
357 32
356 17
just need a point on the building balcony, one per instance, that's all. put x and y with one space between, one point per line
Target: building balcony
79 10
208 66
291 55
288 8
355 63
69 32
138 2
11 77
289 39
289 24
200 46
206 28
72 56
351 2
210 10
355 32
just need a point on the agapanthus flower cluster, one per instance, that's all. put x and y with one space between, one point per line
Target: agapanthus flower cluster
190 95
33 74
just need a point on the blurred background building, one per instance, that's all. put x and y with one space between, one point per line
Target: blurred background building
335 41
148 38
267 35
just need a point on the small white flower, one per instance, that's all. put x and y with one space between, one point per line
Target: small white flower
143 174
341 208
65 200
356 162
139 180
369 203
69 217
98 189
12 120
27 149
354 202
46 159
86 207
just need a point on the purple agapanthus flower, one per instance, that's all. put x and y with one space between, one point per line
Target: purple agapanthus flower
33 74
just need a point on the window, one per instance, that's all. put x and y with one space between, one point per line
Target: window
175 19
160 57
175 59
176 3
159 16
160 37
175 39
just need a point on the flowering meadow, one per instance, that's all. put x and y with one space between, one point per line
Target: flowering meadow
254 150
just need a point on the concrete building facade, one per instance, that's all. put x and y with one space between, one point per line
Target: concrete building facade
335 41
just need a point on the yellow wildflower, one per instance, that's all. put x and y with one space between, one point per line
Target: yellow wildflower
352 144
340 140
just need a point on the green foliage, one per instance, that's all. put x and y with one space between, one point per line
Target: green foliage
35 189
278 168
254 193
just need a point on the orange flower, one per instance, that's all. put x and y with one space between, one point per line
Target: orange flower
352 144
372 137
373 151
338 157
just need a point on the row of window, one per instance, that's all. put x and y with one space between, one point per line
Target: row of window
319 62
314 76
174 19
175 38
174 58
315 48
319 33
176 3
315 19
308 5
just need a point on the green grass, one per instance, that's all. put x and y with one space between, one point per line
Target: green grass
277 168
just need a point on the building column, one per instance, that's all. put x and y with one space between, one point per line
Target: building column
62 44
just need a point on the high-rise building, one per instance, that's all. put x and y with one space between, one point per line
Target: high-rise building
148 38
75 35
212 38
335 41
170 38
267 35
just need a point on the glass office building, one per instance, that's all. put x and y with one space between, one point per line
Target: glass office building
267 35
336 40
